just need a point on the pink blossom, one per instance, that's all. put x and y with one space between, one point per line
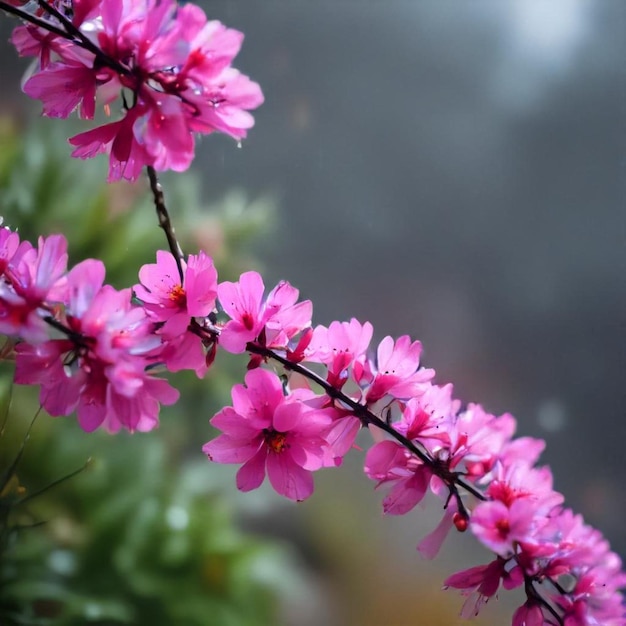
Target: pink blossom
167 300
477 440
173 305
99 370
127 156
243 303
523 450
519 480
62 87
165 134
34 280
397 372
174 63
340 346
500 527
9 243
481 583
279 317
419 421
270 433
226 109
287 317
341 436
565 545
388 462
36 42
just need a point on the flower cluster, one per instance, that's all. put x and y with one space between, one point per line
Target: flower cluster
93 349
83 342
167 67
488 480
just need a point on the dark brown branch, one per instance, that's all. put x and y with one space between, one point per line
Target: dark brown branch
36 21
164 220
533 594
71 32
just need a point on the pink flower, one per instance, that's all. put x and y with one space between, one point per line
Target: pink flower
287 317
243 303
388 462
566 546
500 527
420 422
520 480
477 439
127 156
173 305
99 370
397 371
165 134
270 433
9 243
482 582
34 281
36 42
174 65
279 317
341 346
226 109
62 87
167 300
341 436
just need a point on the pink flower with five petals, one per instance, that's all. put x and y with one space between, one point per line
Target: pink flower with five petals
272 434
277 318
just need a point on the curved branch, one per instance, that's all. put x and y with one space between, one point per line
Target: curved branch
368 418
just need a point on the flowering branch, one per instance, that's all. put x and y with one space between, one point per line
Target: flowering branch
33 19
93 349
76 36
367 418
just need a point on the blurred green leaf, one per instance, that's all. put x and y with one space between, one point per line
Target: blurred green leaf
139 537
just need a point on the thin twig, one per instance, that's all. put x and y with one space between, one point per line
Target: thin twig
164 220
71 32
5 418
11 469
33 19
54 483
532 592
80 39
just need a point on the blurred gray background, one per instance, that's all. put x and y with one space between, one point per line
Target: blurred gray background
455 171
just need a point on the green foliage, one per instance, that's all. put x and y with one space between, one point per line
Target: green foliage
137 536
